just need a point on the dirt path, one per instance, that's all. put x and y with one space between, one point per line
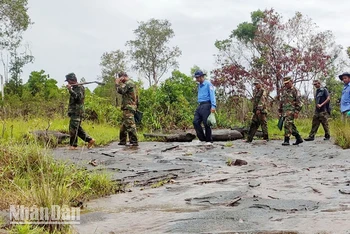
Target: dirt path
293 188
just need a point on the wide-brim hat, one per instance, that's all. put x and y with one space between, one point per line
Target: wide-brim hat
344 74
71 76
287 79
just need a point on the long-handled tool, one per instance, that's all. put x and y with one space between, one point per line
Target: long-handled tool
89 82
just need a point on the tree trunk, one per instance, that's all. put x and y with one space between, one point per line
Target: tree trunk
226 135
182 137
244 131
48 136
278 89
218 135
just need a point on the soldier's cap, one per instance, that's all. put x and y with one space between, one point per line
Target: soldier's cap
199 73
256 82
121 74
344 74
71 76
287 79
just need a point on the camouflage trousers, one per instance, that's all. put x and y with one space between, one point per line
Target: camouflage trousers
128 127
75 131
258 120
319 118
289 126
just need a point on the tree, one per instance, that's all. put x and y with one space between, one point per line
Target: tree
14 21
269 49
39 84
111 63
150 50
18 60
171 104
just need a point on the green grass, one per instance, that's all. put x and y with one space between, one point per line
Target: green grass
30 176
341 134
160 183
30 229
17 130
303 126
229 161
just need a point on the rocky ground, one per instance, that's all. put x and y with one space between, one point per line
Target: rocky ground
189 188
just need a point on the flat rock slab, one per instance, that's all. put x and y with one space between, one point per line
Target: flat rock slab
298 186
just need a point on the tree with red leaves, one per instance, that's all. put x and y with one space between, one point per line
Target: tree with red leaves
269 49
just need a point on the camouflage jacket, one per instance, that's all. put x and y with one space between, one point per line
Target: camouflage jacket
76 101
290 101
129 95
259 100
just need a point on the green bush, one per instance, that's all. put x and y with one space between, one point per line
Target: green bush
170 106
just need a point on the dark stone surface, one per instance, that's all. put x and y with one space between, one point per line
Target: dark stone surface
298 191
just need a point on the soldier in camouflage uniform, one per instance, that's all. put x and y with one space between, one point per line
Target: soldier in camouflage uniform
76 112
127 89
290 107
321 112
259 112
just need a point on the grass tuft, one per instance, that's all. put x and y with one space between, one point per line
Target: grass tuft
30 176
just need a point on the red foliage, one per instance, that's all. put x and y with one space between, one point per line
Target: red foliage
277 50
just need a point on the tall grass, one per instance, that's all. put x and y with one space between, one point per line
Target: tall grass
30 229
303 126
18 130
341 134
30 176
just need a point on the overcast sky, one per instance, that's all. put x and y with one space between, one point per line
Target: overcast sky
71 35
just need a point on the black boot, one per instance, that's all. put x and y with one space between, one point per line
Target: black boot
249 139
299 140
310 138
327 137
266 137
286 141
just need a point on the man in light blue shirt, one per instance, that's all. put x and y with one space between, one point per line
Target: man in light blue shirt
345 96
207 104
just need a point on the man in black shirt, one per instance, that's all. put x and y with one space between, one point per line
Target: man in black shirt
321 112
